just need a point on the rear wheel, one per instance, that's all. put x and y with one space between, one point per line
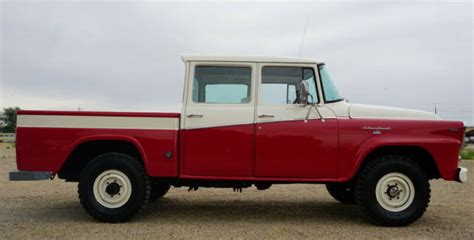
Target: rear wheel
392 191
342 192
113 187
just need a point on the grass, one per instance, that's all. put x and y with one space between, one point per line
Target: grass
10 145
467 153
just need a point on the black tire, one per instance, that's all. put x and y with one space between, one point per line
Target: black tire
366 196
139 184
342 192
158 190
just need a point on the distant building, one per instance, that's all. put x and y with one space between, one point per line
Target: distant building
469 134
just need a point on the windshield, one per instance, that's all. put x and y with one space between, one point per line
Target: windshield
329 88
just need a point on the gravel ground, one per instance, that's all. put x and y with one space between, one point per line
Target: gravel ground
50 209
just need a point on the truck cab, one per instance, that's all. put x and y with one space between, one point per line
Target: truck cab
246 121
244 118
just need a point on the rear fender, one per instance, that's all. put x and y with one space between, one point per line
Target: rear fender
111 137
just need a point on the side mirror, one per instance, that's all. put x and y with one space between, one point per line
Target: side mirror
304 97
304 93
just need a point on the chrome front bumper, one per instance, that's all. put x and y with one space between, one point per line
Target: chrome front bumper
462 175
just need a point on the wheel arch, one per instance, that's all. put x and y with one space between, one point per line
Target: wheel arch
85 149
417 153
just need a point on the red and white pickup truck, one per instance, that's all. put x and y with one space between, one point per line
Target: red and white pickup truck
246 121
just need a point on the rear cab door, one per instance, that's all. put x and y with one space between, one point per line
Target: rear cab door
217 127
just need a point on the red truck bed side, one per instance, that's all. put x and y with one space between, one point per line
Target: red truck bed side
45 139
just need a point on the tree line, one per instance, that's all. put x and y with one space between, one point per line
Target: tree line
8 119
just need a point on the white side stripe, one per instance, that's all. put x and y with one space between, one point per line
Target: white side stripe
56 121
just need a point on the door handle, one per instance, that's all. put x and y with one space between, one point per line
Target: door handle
192 115
266 116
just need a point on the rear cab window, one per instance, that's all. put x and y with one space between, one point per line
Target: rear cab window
222 84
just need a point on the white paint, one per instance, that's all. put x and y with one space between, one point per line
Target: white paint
400 186
253 59
205 115
218 115
107 122
215 114
340 109
372 111
112 177
462 175
289 112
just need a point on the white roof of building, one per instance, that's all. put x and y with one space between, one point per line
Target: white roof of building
230 58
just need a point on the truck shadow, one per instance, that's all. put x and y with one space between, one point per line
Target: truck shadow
190 211
251 210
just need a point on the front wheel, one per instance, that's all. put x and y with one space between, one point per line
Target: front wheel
158 190
392 191
113 187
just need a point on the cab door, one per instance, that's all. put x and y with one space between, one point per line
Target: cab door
218 121
292 141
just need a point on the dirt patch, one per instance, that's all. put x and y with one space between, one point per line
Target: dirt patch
50 209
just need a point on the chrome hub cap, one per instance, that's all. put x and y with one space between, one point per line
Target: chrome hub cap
395 192
112 189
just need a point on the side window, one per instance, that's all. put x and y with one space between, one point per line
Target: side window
281 85
220 84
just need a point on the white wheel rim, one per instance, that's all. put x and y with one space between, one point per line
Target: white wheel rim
112 189
395 192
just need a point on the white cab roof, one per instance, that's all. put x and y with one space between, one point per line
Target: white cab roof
230 58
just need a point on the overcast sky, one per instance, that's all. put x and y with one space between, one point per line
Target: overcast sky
126 56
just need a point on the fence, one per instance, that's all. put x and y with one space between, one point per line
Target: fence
7 137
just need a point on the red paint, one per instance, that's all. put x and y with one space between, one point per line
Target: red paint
355 143
105 114
297 149
291 151
219 151
46 149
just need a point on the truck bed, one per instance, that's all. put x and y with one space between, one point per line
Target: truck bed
46 139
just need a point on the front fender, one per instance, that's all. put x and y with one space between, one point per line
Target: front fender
443 151
358 138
